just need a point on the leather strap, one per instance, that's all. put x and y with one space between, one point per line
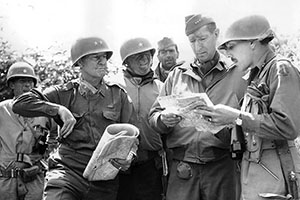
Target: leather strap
287 166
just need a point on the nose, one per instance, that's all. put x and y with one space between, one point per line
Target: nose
144 58
102 60
168 53
198 45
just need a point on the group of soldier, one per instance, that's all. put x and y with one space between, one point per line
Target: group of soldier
255 97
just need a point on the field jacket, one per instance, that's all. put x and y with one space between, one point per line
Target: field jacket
223 85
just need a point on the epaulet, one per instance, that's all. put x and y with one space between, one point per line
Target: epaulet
184 67
114 83
70 85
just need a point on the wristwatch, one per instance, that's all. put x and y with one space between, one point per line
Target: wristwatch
239 120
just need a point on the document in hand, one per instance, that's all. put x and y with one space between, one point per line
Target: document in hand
182 105
117 142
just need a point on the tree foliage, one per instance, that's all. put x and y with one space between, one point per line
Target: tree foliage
54 66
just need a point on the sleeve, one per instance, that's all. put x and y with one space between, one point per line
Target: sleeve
282 119
128 114
155 111
36 104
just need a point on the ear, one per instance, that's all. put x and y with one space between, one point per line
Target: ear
80 63
217 32
11 85
252 45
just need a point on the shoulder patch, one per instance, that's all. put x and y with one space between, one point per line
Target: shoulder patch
283 67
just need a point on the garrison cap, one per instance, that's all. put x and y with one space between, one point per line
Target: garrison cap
165 43
194 22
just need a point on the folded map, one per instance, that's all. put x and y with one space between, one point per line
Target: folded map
118 142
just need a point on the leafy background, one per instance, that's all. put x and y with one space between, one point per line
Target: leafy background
54 66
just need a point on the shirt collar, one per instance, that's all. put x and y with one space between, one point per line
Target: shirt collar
265 59
86 88
215 63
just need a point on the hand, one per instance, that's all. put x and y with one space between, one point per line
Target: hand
170 119
68 119
219 114
124 164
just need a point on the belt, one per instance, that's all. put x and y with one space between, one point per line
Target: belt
179 153
11 173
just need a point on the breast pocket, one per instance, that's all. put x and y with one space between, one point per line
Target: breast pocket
112 114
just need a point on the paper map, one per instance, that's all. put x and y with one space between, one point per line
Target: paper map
179 104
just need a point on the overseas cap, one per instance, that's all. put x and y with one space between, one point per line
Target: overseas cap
194 22
165 43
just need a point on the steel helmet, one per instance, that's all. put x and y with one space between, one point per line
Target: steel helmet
87 46
135 46
21 69
248 28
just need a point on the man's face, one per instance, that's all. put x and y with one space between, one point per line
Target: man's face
21 85
94 65
240 53
168 57
140 63
203 43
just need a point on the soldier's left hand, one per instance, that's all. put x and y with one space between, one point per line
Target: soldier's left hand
219 114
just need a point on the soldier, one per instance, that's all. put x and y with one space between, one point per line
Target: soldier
83 108
201 167
270 112
22 141
143 179
167 55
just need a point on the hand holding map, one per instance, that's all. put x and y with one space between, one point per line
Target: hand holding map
184 105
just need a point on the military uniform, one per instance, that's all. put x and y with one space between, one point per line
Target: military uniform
143 179
163 74
17 141
93 112
270 112
269 91
201 166
22 143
